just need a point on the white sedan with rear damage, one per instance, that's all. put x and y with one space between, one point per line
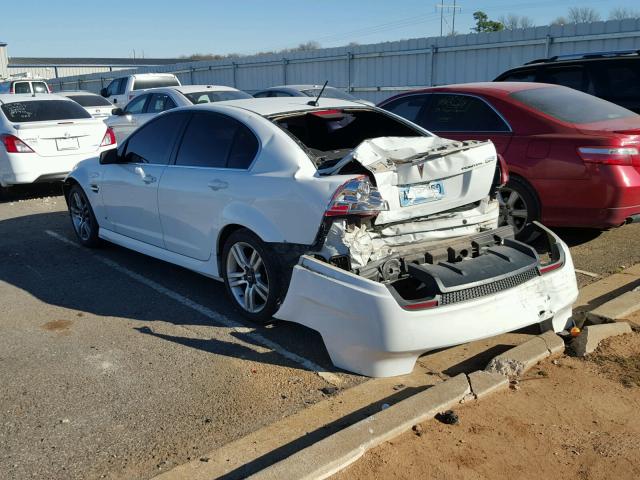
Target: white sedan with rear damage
42 137
335 215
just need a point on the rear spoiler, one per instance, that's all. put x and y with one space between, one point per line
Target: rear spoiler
55 123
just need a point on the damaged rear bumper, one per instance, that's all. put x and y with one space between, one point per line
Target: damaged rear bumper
366 329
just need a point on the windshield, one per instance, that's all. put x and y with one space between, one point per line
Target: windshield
43 110
155 82
329 135
215 96
571 105
329 92
90 100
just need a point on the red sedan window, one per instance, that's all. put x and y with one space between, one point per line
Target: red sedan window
570 105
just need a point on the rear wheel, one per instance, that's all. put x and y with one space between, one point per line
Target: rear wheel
518 206
251 273
82 218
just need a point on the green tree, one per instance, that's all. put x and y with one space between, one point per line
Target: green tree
483 24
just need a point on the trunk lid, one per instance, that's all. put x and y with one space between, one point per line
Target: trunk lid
421 176
60 138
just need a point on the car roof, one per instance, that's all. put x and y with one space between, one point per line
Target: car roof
64 93
493 88
30 97
297 87
203 88
143 75
279 105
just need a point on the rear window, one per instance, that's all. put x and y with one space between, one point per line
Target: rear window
90 100
44 110
329 92
571 105
142 83
40 87
21 87
330 134
213 96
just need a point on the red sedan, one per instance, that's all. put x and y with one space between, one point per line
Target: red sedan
574 159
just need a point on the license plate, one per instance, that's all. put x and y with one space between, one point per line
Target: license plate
67 143
420 193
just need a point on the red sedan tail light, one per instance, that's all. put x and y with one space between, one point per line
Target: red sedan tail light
610 155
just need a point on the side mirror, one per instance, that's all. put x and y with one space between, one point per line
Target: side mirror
103 92
117 111
109 156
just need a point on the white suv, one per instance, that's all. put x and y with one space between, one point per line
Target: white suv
121 90
25 85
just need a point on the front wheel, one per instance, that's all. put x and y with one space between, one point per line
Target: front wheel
252 277
83 220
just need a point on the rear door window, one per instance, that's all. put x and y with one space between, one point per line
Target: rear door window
153 142
21 87
44 110
622 81
279 93
216 141
461 113
410 107
160 102
136 105
116 87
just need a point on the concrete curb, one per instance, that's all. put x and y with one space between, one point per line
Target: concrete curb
618 308
341 449
592 335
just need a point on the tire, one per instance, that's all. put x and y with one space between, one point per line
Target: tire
252 276
83 220
519 206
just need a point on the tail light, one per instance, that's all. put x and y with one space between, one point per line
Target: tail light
49 89
551 267
14 144
610 155
421 305
109 138
356 196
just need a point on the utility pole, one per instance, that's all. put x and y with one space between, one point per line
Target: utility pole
448 8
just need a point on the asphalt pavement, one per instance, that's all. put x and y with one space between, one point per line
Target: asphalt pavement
115 365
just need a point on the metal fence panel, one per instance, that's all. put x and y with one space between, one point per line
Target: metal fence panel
377 71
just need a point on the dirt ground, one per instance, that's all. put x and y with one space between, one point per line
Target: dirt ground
570 418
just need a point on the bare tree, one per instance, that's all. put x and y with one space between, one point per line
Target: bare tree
559 21
582 15
513 21
620 13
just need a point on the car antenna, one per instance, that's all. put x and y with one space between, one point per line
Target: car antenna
314 103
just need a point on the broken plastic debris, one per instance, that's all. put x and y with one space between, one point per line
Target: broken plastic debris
449 417
384 406
575 331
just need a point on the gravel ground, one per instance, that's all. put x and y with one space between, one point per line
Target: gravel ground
105 377
570 418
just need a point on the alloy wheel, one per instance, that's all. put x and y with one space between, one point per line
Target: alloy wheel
247 277
513 209
80 215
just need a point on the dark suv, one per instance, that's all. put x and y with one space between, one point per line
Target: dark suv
613 76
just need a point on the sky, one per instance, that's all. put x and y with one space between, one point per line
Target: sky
169 29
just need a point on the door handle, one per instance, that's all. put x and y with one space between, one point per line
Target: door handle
217 184
145 178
